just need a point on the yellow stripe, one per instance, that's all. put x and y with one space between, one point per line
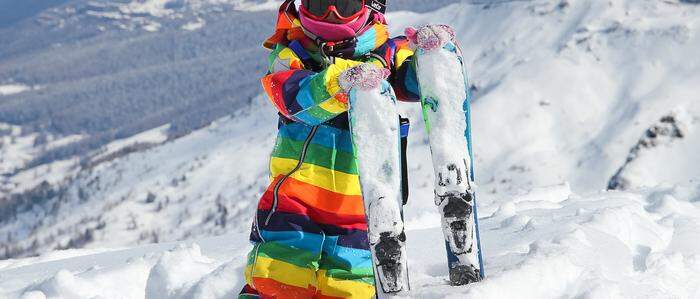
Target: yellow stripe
282 272
330 80
334 106
376 62
382 35
336 181
343 288
289 55
401 56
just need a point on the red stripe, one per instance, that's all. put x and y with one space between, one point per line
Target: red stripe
270 288
273 85
292 204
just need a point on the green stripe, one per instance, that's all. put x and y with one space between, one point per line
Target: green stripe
316 154
364 275
340 269
320 113
251 255
298 257
318 88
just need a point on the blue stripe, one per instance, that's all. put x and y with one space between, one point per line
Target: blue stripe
298 49
351 257
326 136
366 42
411 80
405 129
304 98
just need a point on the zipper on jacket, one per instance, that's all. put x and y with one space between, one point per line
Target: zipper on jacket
275 193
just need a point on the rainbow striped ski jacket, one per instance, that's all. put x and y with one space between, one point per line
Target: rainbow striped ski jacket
310 233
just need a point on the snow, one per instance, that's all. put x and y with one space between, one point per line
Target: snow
167 278
156 8
194 25
673 136
10 89
17 149
552 244
564 90
205 183
154 136
52 173
447 93
376 137
265 5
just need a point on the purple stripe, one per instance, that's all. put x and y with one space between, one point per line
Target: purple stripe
290 89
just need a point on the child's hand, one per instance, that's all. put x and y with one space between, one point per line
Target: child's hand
365 76
430 37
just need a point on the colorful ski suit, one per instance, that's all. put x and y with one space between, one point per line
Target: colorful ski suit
310 233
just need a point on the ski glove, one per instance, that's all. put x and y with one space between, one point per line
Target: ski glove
365 76
430 37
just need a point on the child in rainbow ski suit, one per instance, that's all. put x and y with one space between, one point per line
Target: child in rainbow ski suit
310 233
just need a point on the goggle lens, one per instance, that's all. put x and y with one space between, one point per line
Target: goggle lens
345 8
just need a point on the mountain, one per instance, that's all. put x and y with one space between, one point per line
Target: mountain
107 70
570 96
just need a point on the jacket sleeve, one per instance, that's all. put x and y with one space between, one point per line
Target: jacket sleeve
403 76
302 95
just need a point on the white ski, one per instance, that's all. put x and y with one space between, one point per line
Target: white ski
375 132
445 100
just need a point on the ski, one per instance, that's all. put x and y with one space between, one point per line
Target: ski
376 137
446 111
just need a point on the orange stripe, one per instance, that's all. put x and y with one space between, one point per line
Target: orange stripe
323 199
294 206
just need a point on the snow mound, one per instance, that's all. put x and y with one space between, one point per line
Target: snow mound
176 270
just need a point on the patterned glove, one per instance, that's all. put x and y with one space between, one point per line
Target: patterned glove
365 76
430 37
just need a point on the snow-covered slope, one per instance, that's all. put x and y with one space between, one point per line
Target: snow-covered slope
564 90
548 243
108 70
205 183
